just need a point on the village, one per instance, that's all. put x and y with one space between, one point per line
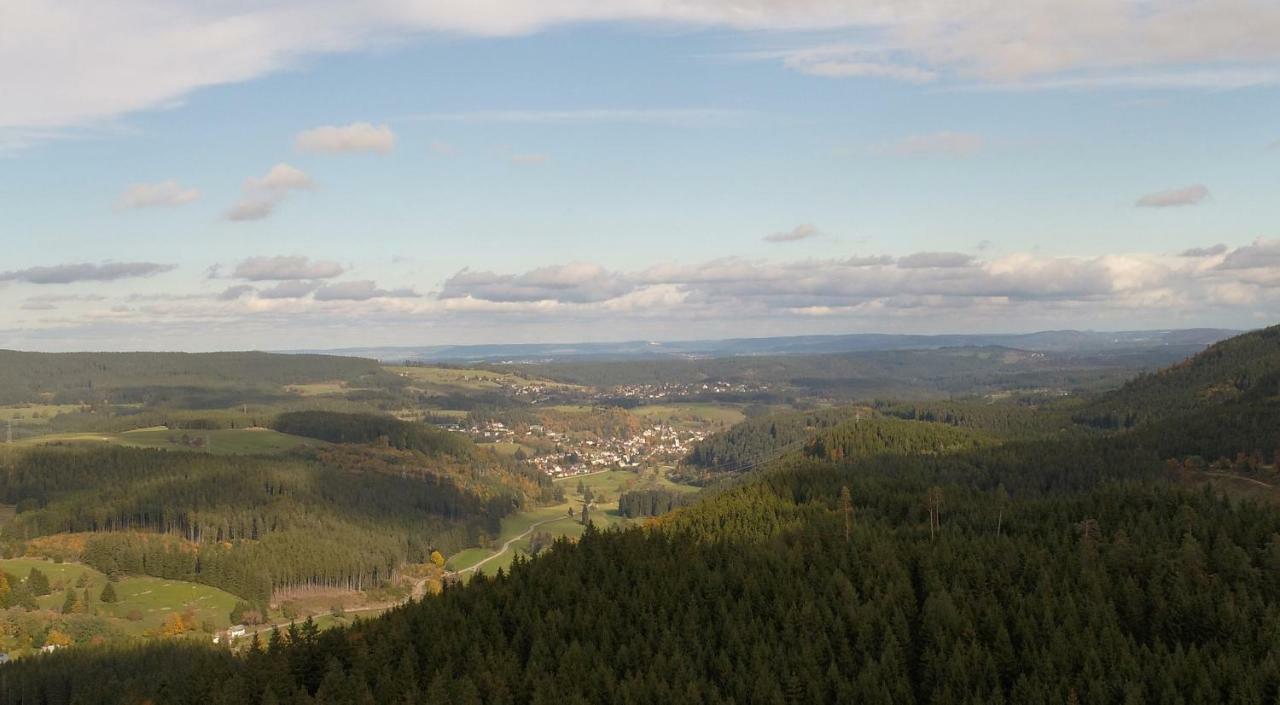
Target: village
572 454
673 391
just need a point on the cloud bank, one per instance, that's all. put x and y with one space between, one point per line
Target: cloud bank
284 267
1186 196
72 273
295 301
122 64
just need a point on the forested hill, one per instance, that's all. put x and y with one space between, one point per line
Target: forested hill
901 374
827 434
86 377
886 579
337 427
754 442
933 567
1242 369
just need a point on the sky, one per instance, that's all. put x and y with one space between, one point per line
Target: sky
321 174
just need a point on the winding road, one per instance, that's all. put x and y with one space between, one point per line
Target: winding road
506 545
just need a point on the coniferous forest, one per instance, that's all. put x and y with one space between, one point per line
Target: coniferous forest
887 560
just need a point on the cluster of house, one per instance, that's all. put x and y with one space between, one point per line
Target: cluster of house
230 634
674 390
661 443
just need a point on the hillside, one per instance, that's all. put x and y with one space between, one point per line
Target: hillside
889 560
901 374
89 377
1243 369
346 516
636 350
883 579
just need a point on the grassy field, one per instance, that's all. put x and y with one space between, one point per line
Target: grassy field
319 389
233 441
34 414
693 415
449 380
150 599
507 448
555 520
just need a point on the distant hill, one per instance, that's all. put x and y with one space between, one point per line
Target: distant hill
1045 341
77 377
866 375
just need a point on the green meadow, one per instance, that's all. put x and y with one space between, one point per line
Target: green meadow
143 602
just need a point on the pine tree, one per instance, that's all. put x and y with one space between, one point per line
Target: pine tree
38 583
108 594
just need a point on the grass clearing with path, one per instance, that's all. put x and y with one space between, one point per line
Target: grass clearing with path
516 534
228 441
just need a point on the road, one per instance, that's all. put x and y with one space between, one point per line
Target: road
507 545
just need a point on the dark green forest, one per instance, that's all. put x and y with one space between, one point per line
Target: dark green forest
906 559
337 427
252 525
1242 369
131 377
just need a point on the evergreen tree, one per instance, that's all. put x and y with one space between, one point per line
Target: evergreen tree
38 583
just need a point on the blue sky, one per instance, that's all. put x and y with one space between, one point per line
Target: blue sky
287 175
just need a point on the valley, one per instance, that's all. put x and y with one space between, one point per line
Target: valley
341 505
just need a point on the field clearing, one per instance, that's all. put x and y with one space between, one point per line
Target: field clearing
507 448
571 408
691 414
229 441
151 598
233 441
34 414
605 486
321 389
447 380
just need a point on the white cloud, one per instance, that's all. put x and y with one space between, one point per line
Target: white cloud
285 268
528 159
1186 196
1212 251
850 61
289 290
356 137
164 193
281 177
261 194
678 117
1262 254
360 291
233 293
251 209
804 231
579 282
725 297
938 144
132 55
924 260
88 272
